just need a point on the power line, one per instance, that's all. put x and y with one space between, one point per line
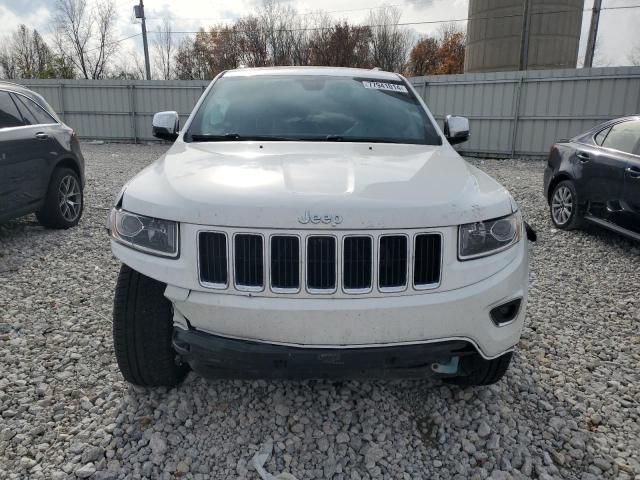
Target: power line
405 24
114 42
295 15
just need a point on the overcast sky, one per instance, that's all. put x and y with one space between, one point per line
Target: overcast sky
617 35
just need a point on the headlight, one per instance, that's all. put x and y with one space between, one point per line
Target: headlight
152 235
486 238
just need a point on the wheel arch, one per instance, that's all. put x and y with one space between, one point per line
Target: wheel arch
560 177
68 162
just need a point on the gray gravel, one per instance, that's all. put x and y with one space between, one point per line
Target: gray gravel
568 408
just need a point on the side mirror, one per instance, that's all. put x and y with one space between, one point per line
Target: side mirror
456 129
166 125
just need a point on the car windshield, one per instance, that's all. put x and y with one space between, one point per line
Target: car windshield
311 108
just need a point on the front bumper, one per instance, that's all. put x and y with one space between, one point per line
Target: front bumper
345 323
216 356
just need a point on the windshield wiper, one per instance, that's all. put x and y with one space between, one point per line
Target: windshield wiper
334 138
206 137
340 138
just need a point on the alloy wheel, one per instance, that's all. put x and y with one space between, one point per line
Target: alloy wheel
69 198
562 205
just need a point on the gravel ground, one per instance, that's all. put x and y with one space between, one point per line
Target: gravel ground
569 406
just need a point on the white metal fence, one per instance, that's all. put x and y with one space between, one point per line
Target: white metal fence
523 113
511 113
117 110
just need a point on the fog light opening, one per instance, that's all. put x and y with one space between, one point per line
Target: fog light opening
506 313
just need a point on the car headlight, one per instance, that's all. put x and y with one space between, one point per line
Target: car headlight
480 239
147 234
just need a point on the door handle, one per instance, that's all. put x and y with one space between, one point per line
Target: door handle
41 136
634 172
583 156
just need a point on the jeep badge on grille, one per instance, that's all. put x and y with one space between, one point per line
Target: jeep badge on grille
315 218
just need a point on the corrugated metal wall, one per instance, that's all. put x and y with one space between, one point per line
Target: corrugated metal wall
511 113
117 110
523 113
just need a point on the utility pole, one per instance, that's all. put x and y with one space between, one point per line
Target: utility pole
524 37
593 33
139 13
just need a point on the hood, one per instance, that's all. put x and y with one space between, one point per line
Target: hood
315 185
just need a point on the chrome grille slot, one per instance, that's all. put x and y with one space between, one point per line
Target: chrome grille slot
213 258
392 267
426 268
321 263
357 264
285 263
249 261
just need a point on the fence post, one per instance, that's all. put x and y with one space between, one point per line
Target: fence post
424 91
516 115
132 112
61 100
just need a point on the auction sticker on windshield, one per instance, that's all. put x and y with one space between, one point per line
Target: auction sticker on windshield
385 86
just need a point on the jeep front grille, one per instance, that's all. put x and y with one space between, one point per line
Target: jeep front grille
393 262
249 261
357 263
213 258
285 263
321 263
310 263
425 270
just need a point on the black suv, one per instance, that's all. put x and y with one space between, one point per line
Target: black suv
41 166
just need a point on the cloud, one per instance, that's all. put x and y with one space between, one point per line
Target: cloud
37 17
616 34
23 8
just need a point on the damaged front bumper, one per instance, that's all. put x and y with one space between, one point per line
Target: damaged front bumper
220 357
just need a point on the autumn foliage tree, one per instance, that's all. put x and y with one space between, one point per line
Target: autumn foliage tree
277 35
441 55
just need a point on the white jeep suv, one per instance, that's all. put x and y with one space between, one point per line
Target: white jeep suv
312 222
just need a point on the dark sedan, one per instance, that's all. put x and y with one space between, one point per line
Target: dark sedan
41 166
595 177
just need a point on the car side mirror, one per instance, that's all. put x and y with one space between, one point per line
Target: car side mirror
166 125
456 129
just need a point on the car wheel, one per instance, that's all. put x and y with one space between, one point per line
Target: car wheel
565 213
64 200
142 331
476 371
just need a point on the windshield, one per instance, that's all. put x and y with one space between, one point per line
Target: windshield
311 108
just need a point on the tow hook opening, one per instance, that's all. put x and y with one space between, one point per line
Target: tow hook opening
450 368
505 313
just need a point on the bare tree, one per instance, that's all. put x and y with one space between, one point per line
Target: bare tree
128 67
298 38
252 42
86 32
8 67
340 44
277 21
390 42
25 54
163 47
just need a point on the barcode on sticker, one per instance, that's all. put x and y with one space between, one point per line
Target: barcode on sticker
385 86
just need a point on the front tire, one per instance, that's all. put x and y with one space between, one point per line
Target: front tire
476 371
64 201
142 331
564 206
